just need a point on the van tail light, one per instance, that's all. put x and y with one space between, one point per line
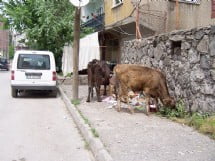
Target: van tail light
12 75
54 76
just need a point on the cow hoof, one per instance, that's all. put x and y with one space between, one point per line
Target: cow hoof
99 100
88 101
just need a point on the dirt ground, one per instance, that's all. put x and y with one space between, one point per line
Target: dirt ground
138 137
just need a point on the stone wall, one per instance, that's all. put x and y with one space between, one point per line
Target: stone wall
188 60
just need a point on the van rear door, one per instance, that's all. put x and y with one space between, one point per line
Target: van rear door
34 68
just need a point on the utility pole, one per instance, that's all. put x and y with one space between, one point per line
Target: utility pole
75 82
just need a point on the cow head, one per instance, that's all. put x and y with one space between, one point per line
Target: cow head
169 102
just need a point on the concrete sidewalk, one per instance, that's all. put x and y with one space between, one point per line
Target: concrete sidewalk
137 137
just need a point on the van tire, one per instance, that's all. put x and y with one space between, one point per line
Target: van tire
14 92
54 93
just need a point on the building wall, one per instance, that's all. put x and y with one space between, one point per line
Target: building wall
187 57
94 8
115 14
190 15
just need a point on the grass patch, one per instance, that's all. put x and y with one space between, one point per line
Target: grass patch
76 102
68 75
202 122
86 121
95 133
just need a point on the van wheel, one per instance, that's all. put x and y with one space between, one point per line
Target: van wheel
14 92
54 93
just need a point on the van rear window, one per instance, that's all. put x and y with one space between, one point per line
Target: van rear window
33 61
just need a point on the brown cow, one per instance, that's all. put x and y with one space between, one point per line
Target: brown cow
98 74
138 78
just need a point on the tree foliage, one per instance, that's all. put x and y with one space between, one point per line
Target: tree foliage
48 24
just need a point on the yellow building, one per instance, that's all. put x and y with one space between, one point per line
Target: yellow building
122 20
153 16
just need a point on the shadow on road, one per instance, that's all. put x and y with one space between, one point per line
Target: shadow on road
35 94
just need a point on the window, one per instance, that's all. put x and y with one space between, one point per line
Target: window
117 2
33 61
212 8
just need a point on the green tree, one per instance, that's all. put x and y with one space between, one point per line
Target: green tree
47 24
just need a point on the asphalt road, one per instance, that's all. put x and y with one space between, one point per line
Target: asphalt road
36 127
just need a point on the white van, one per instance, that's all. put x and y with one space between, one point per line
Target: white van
33 70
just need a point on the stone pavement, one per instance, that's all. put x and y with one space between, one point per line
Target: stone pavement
137 137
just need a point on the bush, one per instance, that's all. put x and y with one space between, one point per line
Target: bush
178 112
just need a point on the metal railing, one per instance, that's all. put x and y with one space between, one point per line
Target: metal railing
97 23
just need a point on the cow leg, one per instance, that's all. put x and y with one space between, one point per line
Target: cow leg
129 106
98 94
92 93
89 91
119 96
147 90
105 89
147 104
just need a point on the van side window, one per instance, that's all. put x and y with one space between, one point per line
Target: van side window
33 61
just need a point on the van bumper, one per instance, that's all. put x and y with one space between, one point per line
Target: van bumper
45 88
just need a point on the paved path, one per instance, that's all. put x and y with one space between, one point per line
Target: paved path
35 127
139 137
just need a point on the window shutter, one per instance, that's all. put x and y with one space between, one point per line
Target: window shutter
212 8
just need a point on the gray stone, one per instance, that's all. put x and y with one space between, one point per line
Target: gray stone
197 75
207 89
195 87
193 56
168 44
194 107
199 34
203 46
204 62
159 52
213 63
212 47
195 43
212 30
167 61
190 37
151 51
213 74
177 38
143 43
169 51
185 46
203 106
211 105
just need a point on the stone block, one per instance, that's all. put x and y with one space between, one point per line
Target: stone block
177 37
207 89
205 62
213 74
212 48
185 46
197 75
203 45
213 63
193 56
199 34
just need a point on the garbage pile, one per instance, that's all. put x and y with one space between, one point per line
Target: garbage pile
136 99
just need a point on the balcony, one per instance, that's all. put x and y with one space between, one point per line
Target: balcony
97 22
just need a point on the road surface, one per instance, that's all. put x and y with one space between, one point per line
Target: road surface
36 127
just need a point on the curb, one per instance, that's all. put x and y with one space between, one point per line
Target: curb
95 144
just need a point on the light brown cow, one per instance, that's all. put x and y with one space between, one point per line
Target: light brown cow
138 78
